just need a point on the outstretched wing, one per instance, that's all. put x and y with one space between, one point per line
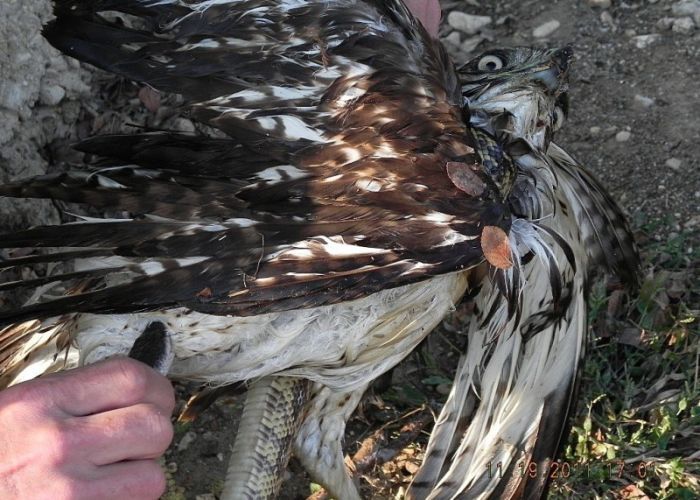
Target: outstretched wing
346 165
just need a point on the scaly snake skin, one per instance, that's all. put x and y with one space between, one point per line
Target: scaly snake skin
271 418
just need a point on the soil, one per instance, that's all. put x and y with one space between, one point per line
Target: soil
635 102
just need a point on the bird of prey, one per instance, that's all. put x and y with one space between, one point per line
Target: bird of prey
503 424
343 207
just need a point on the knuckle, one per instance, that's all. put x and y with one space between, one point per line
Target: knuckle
158 426
170 401
131 377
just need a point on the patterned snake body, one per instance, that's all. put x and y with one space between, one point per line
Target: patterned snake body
271 418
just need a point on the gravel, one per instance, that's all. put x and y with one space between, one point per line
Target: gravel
467 24
546 29
623 136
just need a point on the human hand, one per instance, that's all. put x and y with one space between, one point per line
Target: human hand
92 432
427 12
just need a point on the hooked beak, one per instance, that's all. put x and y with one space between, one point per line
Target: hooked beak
555 76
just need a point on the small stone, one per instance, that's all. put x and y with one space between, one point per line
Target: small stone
629 33
51 95
13 96
504 19
470 44
665 23
644 41
674 163
607 19
546 29
467 23
9 123
693 222
687 8
683 25
594 131
453 39
600 4
623 136
186 441
643 101
205 496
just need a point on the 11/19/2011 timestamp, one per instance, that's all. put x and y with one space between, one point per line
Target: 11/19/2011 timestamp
558 470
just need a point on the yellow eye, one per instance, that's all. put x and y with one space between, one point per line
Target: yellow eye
558 118
490 63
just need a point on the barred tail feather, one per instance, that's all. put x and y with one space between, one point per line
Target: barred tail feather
522 391
516 377
606 234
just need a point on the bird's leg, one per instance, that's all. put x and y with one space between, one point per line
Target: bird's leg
271 418
318 443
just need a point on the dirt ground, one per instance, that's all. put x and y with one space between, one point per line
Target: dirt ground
635 103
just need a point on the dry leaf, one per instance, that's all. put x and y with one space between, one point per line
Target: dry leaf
632 492
465 178
496 247
150 98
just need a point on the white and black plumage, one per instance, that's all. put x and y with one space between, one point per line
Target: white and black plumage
322 237
342 117
348 174
516 383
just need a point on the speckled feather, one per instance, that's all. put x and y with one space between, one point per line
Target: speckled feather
342 117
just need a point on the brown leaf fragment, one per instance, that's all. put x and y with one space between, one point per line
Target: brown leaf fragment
496 247
464 178
205 293
150 98
411 467
631 492
366 456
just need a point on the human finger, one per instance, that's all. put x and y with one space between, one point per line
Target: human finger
428 12
137 479
107 385
136 432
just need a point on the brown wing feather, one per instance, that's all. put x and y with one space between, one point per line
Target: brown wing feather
342 117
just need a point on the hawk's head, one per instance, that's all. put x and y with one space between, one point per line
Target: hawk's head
526 87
